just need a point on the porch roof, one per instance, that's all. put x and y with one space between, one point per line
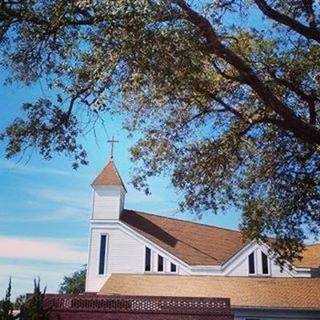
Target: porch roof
244 292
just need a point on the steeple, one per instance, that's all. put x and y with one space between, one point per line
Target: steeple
109 193
109 176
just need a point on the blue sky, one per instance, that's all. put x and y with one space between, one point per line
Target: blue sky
45 205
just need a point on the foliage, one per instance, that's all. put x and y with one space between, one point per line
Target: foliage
20 301
225 95
75 283
30 309
6 306
34 308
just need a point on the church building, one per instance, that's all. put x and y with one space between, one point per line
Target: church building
144 254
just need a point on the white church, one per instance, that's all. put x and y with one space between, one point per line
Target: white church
138 253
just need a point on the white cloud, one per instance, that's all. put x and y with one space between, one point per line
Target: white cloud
70 198
40 250
61 214
64 214
29 169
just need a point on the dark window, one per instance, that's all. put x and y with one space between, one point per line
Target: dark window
160 263
147 266
102 260
265 266
173 267
251 264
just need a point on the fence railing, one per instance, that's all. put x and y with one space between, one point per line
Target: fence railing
138 305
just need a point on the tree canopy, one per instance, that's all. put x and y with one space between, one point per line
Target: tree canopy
25 309
224 93
6 306
75 283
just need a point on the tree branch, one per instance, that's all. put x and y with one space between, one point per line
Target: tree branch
10 14
310 12
227 76
296 125
227 107
308 98
308 32
29 16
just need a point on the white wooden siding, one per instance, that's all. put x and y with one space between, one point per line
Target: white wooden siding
125 254
241 268
107 202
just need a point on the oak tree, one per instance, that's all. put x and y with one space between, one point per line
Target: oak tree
224 94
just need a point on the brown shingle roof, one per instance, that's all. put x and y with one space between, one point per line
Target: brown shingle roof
193 243
311 257
277 293
109 176
199 244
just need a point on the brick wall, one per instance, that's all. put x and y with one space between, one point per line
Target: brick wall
94 307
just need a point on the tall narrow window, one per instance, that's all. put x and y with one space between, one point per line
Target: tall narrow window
173 267
252 269
102 256
147 265
265 264
160 263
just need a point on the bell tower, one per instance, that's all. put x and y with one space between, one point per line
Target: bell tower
108 203
109 194
109 191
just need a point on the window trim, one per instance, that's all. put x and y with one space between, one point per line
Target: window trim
105 254
145 259
253 253
163 264
171 263
268 264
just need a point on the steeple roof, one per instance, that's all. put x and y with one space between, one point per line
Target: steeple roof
109 176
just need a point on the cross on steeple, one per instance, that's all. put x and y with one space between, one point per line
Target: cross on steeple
112 142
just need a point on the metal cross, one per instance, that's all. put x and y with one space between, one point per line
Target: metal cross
112 141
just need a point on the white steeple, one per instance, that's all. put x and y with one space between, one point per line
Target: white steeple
109 193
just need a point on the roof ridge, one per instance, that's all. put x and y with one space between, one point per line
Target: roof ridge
187 221
117 173
202 224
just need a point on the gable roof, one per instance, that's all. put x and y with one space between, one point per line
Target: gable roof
244 292
193 243
198 244
109 176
